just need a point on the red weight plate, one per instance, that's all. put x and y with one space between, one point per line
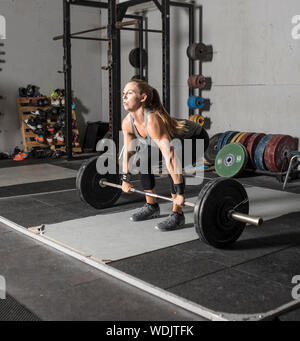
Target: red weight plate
201 81
190 82
251 146
194 81
277 152
244 140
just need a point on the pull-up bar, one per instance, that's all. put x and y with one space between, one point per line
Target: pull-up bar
81 32
119 25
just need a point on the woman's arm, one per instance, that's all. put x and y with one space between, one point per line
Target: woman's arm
127 153
158 132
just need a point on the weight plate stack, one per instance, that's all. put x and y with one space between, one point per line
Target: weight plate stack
134 57
277 152
240 137
229 137
251 147
236 137
212 221
260 151
190 81
200 51
191 102
200 102
196 81
200 120
193 118
212 149
244 139
200 82
191 50
220 142
195 102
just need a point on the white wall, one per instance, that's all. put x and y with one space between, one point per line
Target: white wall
32 57
256 67
255 70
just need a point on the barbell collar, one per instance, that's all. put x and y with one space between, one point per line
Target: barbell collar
245 218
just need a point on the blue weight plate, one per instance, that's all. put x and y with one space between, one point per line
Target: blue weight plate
224 137
189 102
192 102
260 151
200 102
220 141
230 134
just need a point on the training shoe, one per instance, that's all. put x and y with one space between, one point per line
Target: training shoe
40 113
146 212
173 222
40 139
31 123
21 156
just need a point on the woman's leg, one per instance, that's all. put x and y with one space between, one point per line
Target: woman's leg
148 183
148 180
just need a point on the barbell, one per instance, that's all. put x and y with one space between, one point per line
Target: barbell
221 210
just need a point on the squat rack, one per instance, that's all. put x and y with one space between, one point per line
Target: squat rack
116 14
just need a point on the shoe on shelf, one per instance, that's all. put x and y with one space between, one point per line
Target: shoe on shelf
173 222
40 113
31 124
21 156
59 138
146 212
40 139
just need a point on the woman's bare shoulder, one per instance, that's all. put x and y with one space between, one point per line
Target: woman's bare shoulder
126 125
154 117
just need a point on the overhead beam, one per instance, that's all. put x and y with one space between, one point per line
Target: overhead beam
87 3
130 3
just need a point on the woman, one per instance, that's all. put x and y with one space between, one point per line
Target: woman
148 121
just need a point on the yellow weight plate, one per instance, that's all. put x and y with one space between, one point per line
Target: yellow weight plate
200 120
235 137
239 138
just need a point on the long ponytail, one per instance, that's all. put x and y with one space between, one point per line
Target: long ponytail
153 102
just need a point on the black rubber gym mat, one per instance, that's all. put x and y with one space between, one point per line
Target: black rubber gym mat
251 277
37 187
12 310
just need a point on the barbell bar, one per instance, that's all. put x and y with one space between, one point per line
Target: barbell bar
232 214
221 210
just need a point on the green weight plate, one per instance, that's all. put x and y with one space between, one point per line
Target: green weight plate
246 155
231 160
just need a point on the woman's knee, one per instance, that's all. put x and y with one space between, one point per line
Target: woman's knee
148 181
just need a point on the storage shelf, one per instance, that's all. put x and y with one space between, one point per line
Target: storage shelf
28 135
